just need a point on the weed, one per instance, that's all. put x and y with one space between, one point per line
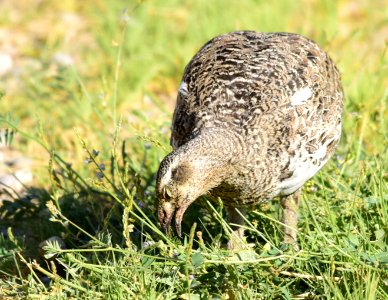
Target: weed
97 127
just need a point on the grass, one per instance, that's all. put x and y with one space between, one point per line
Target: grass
97 129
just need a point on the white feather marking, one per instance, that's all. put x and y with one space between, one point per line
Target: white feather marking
166 178
303 171
301 96
183 88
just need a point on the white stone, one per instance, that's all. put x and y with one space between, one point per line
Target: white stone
6 63
63 59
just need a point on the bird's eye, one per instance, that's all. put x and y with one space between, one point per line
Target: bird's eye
166 193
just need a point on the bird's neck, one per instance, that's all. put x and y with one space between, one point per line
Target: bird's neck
212 154
216 143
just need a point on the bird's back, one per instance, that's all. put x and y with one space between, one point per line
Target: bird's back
279 91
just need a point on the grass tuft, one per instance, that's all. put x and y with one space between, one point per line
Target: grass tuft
90 99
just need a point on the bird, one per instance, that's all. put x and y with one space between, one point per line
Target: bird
257 115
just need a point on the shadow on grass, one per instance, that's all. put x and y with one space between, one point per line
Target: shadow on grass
26 222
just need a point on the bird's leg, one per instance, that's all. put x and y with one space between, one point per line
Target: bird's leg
290 218
236 240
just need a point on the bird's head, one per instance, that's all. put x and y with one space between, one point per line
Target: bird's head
180 181
174 191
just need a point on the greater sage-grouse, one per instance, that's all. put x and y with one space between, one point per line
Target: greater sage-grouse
257 115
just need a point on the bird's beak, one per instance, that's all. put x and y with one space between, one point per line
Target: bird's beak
178 219
165 214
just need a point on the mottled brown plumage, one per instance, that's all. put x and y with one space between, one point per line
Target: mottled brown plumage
257 115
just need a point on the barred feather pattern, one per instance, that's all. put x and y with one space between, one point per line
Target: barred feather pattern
265 106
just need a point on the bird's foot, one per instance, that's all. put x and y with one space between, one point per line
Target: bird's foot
290 219
291 242
237 240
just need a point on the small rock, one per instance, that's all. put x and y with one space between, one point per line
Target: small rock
51 240
62 59
15 173
6 63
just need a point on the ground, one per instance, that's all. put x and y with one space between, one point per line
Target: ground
87 94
